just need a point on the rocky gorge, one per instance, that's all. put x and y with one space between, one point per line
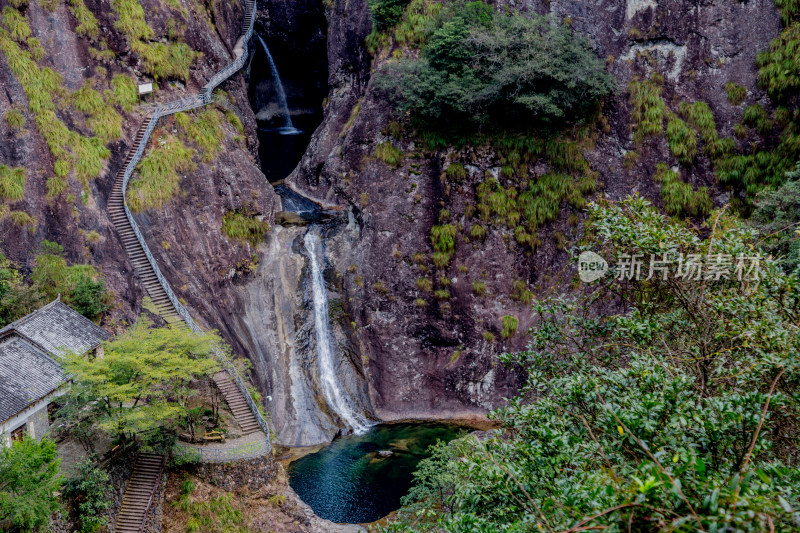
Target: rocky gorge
403 348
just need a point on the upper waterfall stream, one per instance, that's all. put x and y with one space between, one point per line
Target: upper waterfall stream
336 396
288 126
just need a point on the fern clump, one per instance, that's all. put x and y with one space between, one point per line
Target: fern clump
647 109
679 197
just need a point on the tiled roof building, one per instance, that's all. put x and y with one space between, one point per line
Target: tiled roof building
30 374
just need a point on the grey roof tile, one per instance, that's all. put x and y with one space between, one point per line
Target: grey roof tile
58 328
26 375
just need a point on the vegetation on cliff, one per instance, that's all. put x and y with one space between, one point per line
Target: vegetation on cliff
483 69
678 414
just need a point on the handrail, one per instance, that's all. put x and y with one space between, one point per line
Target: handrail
201 99
152 495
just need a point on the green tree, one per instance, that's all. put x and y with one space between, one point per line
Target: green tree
386 13
679 412
29 481
89 490
141 385
79 285
17 298
484 69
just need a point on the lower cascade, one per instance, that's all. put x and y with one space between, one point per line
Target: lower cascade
337 398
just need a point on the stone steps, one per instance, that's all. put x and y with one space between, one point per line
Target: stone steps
237 403
137 500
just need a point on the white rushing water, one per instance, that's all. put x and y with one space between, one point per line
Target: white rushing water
288 126
338 399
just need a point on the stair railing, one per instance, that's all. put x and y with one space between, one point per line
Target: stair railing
205 97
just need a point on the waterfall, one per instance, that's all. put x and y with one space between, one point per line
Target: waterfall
338 399
288 127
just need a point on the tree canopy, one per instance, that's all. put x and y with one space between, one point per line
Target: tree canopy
141 384
485 69
29 480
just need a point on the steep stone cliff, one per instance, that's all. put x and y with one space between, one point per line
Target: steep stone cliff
401 351
428 357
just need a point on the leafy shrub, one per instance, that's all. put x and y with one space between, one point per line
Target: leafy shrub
88 297
481 68
30 474
89 487
616 429
777 210
386 13
244 226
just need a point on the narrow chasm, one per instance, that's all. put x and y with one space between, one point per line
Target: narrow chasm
287 81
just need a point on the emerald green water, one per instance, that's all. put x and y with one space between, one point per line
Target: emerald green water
348 482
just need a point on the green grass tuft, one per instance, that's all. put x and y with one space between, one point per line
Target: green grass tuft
647 110
682 139
757 117
87 23
16 24
158 180
735 93
390 155
204 130
510 324
244 226
23 220
12 183
679 197
15 120
124 91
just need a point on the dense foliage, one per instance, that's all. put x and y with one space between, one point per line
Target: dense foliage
480 67
677 413
80 286
29 480
386 13
141 385
89 490
777 215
